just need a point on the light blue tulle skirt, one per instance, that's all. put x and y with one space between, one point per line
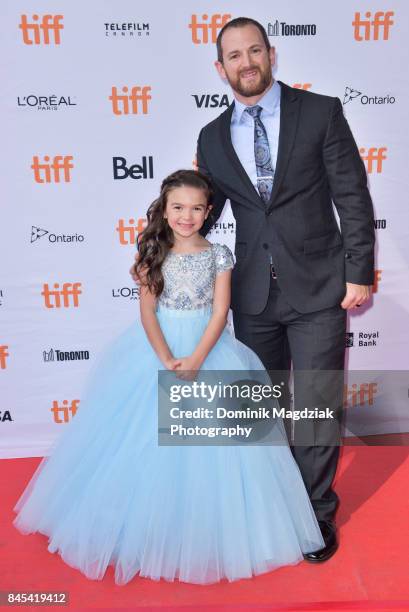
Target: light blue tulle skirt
108 494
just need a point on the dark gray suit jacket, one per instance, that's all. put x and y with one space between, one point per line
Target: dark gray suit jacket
318 163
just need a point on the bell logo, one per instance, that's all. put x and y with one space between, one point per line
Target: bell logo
37 33
365 29
359 395
373 158
125 103
302 85
69 294
51 171
3 355
200 31
64 413
129 233
377 280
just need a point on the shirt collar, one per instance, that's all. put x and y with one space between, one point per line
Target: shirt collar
269 103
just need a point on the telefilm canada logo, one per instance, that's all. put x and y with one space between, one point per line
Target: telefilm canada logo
223 228
46 103
127 29
208 100
352 94
54 354
38 232
281 28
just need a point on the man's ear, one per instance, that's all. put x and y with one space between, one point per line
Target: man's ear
272 54
220 69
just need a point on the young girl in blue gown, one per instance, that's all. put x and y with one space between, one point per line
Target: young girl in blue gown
109 494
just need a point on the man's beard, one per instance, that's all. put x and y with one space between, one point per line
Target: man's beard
252 89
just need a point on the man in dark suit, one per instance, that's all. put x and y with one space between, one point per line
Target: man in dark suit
282 156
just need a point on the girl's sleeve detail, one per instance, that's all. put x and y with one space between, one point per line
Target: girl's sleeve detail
224 258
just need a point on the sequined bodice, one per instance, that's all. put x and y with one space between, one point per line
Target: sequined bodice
190 277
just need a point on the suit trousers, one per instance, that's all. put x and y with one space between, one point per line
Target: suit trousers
312 342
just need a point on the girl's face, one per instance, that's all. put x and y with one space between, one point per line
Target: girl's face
186 210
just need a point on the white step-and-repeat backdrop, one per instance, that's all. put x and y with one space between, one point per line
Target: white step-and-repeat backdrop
100 101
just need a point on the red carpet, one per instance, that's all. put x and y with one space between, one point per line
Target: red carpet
369 571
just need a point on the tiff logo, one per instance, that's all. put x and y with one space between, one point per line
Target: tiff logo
124 104
304 86
36 33
201 30
62 413
355 395
374 158
3 355
50 171
69 294
129 233
371 29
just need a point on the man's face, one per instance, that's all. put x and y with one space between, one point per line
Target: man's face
247 63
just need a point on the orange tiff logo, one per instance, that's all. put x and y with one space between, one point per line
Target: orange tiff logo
126 103
64 413
61 298
201 30
128 233
359 395
51 171
374 158
46 32
3 355
367 29
302 85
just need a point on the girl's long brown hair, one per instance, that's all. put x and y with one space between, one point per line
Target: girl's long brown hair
155 241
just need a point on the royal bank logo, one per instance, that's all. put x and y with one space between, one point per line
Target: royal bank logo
281 28
211 100
129 29
45 103
37 233
354 94
349 339
59 355
362 339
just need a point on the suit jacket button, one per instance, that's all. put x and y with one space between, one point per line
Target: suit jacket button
348 256
265 245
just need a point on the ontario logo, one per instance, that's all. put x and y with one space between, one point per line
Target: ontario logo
354 94
38 232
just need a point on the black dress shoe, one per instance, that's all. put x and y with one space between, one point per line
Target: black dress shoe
329 534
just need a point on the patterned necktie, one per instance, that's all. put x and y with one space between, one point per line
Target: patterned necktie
265 170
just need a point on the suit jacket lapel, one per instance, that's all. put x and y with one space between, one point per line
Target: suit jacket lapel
225 135
289 112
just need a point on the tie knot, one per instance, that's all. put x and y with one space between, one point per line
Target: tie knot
254 111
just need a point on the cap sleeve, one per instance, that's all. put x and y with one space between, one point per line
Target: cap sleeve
224 257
